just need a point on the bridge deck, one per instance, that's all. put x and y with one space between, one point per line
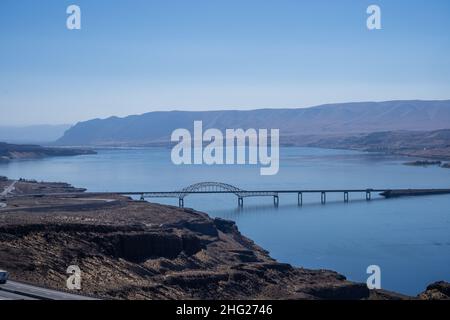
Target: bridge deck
385 192
224 188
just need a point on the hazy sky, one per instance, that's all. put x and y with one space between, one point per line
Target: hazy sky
137 56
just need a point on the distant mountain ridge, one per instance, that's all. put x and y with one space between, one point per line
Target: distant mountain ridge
331 119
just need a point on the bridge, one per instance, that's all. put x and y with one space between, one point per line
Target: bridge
210 188
224 188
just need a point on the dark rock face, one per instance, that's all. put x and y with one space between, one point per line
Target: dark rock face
350 292
204 227
139 247
437 291
423 163
225 226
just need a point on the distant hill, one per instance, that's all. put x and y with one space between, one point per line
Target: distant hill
423 144
10 152
333 119
32 134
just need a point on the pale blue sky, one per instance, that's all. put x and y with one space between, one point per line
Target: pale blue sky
138 56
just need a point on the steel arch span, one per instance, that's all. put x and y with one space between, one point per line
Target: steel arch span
210 187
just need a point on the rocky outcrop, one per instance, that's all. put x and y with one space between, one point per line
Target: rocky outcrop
141 246
423 163
437 291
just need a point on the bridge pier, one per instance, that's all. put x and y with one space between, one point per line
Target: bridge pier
276 201
240 202
368 196
181 202
323 197
346 196
300 199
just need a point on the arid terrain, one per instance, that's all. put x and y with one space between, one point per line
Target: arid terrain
10 152
130 249
419 144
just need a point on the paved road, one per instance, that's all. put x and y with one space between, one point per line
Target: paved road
8 189
16 290
5 192
5 295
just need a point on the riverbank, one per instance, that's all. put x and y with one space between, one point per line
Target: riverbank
10 152
433 145
130 249
427 163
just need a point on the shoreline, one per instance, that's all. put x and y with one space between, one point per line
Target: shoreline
11 152
437 157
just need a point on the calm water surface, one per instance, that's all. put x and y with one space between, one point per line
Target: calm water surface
408 238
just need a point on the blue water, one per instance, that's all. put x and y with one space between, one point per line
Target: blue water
409 238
